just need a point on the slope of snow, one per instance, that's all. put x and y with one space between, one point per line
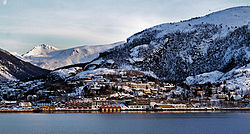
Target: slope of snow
17 55
98 71
237 78
136 51
64 73
51 58
228 19
4 74
212 77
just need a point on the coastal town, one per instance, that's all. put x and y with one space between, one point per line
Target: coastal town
124 66
117 91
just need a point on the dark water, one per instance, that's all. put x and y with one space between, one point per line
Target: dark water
126 123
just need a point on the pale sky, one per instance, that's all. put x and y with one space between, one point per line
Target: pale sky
69 23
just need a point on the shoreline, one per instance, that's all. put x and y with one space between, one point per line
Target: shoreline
126 110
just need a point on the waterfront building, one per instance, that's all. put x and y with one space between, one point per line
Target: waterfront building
170 106
111 108
78 105
25 104
139 104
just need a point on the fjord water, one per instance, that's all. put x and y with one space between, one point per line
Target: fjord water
126 123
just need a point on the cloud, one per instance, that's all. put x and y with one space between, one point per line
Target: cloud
79 26
5 2
92 22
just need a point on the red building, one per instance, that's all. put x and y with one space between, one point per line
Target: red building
78 105
111 108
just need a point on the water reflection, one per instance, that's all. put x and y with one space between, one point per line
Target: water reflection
132 122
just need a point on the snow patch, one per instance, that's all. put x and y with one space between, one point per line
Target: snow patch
95 72
64 73
212 77
99 61
110 61
135 51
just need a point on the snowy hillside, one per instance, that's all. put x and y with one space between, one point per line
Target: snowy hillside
49 57
12 68
211 77
77 74
74 73
236 78
174 51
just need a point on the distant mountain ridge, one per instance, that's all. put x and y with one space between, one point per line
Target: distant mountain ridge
12 68
174 51
49 57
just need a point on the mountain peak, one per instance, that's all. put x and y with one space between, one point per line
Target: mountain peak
40 50
46 46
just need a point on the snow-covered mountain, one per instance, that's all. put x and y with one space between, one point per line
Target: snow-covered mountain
40 51
12 68
174 51
49 57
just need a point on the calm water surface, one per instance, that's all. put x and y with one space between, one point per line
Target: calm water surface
125 123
